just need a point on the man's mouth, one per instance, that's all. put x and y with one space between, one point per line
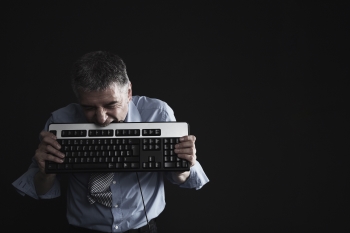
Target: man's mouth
116 121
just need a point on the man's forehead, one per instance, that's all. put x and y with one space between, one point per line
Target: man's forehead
101 97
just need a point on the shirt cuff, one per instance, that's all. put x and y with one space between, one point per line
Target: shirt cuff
25 186
197 177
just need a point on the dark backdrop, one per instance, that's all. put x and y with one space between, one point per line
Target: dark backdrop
261 83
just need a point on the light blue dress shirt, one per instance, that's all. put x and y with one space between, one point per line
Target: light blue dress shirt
128 209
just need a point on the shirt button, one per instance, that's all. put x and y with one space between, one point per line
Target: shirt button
116 227
114 182
116 206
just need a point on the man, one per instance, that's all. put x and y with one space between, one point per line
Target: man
104 94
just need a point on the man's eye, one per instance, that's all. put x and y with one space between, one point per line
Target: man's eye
111 106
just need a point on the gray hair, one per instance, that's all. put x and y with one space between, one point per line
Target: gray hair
97 71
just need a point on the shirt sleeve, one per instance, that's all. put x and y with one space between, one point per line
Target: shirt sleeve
196 179
25 183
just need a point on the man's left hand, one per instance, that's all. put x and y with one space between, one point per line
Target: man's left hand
186 149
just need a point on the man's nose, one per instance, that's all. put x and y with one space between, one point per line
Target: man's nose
101 116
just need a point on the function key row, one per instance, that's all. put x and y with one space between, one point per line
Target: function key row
109 132
151 132
73 133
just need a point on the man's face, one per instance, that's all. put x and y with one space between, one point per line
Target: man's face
104 107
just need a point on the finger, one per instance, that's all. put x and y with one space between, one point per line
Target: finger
44 134
42 156
188 138
53 151
187 150
55 158
185 144
49 140
49 149
191 158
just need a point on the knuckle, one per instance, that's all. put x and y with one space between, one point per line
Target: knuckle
191 157
47 147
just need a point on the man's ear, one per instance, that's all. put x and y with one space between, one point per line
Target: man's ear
130 91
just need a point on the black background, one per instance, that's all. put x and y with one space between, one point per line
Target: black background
263 85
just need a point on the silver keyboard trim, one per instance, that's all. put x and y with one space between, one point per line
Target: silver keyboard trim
168 129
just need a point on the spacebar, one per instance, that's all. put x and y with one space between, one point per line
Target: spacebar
90 165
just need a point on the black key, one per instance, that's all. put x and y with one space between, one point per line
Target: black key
134 141
136 132
131 159
51 166
135 150
157 132
110 132
68 166
90 166
169 164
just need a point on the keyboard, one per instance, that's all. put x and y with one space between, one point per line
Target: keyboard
119 147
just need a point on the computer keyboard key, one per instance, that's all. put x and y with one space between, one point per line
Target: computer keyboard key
131 159
90 166
51 166
169 164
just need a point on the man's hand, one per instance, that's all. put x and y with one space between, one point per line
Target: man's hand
48 149
186 149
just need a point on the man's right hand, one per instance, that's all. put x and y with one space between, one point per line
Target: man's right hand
48 149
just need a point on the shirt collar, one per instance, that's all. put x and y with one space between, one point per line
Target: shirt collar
133 113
